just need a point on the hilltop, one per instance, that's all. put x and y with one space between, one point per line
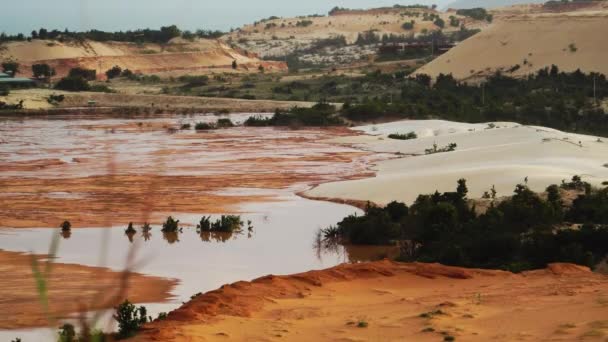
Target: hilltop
524 39
177 57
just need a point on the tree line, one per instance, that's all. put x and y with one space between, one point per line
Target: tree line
525 231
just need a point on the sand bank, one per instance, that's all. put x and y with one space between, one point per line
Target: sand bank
387 301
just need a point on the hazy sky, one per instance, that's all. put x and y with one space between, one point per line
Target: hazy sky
25 15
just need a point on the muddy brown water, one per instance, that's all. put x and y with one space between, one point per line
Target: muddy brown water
95 171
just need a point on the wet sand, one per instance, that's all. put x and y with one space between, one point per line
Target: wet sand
144 170
387 301
71 288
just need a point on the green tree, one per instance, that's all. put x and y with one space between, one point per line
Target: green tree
10 67
114 72
42 70
129 318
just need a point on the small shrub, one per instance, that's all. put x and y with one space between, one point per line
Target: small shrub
224 123
185 126
67 333
170 226
428 330
102 88
362 324
449 338
130 229
66 226
129 318
435 149
161 316
572 47
203 126
408 136
114 72
54 99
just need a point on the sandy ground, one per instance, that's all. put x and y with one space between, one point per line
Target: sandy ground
503 156
36 99
71 288
533 42
386 301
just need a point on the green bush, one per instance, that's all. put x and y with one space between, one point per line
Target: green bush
224 123
225 224
204 126
71 83
114 72
130 319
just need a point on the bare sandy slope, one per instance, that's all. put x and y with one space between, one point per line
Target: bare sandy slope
181 56
569 40
502 156
386 301
70 289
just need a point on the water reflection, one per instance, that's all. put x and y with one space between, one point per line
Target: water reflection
66 234
352 253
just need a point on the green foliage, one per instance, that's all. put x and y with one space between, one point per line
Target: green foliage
225 224
408 25
171 225
407 136
10 67
42 70
439 23
321 114
549 98
224 123
194 81
362 324
519 233
67 333
87 74
204 126
71 83
130 319
114 72
475 13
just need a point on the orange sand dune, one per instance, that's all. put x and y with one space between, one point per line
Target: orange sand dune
388 301
71 288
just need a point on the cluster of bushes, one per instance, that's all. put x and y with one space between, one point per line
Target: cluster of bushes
321 114
407 136
225 224
477 13
522 232
205 126
549 98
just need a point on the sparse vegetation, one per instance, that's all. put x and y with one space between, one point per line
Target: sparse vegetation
225 224
407 136
435 149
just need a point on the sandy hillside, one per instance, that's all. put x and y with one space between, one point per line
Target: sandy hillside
179 55
503 156
276 37
531 39
386 301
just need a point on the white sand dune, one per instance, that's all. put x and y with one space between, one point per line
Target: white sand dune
503 156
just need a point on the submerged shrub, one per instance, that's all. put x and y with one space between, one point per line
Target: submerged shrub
225 224
66 226
171 225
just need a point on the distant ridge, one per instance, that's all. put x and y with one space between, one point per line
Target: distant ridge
490 3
